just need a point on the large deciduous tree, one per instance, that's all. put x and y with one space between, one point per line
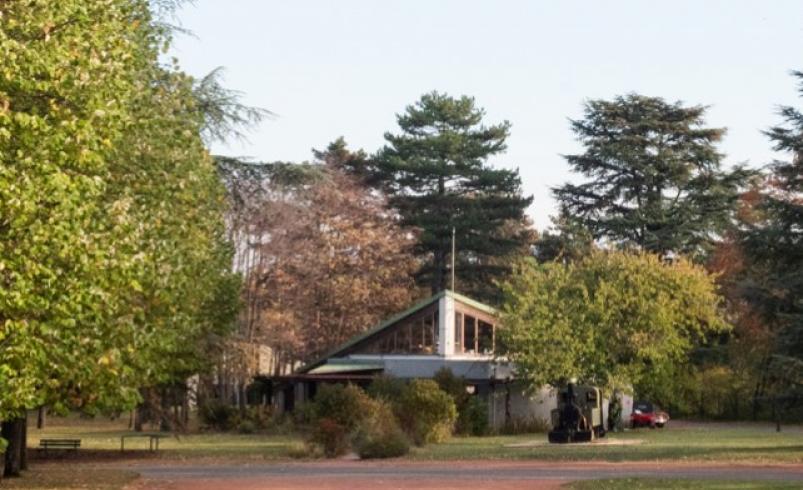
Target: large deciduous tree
112 251
436 173
324 258
654 176
613 318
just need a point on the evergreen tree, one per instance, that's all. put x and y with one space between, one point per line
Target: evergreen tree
774 242
436 174
655 175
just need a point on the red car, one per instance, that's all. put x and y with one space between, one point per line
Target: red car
645 414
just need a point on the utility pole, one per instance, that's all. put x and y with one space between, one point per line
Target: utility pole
453 253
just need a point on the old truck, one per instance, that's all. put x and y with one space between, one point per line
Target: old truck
578 417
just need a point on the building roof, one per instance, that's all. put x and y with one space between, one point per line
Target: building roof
309 368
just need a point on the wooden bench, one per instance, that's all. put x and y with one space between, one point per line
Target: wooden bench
153 441
66 444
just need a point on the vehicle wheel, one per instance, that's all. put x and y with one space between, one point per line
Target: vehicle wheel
660 426
652 426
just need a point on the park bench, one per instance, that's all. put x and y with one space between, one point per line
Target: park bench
153 441
66 444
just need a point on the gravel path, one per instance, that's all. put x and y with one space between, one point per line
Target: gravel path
463 475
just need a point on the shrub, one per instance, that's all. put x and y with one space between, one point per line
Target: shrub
246 427
331 436
388 388
345 405
455 386
217 414
261 416
473 417
426 413
379 434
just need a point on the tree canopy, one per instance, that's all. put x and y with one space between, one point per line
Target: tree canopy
654 176
616 319
436 174
112 248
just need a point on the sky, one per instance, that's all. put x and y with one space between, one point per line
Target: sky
347 67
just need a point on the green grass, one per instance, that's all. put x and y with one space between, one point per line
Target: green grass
694 442
746 443
104 435
678 484
84 477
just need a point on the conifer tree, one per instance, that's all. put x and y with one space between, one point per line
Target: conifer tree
436 173
655 176
774 244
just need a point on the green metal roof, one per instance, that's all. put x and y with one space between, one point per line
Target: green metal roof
395 318
345 368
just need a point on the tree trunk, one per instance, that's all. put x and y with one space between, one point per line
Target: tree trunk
24 445
41 416
12 432
138 419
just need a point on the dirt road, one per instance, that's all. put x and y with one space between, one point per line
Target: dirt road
462 475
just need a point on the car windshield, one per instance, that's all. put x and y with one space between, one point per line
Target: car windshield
643 407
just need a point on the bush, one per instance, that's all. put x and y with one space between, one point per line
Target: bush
426 413
388 388
246 427
331 436
379 435
473 418
217 414
261 416
344 405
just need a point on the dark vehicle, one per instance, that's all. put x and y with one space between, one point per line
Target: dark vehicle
645 414
578 417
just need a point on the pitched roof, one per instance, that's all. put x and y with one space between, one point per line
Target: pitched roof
396 318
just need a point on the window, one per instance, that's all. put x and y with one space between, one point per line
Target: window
485 338
417 334
458 332
469 334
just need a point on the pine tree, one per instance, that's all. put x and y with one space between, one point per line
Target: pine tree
655 175
437 176
774 242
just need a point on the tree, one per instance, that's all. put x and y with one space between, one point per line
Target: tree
324 259
112 246
613 318
436 175
655 177
772 236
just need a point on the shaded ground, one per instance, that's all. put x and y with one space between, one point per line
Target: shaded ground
454 474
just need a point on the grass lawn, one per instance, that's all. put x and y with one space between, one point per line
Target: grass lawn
661 484
717 442
104 434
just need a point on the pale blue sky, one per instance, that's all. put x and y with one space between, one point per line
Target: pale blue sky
346 67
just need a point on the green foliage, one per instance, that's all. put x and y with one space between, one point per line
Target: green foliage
472 418
436 174
216 414
773 239
112 250
472 411
379 436
344 405
612 319
655 176
387 388
426 413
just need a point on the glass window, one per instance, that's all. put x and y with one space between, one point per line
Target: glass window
458 332
485 338
469 334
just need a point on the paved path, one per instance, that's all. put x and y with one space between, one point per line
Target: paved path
463 475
